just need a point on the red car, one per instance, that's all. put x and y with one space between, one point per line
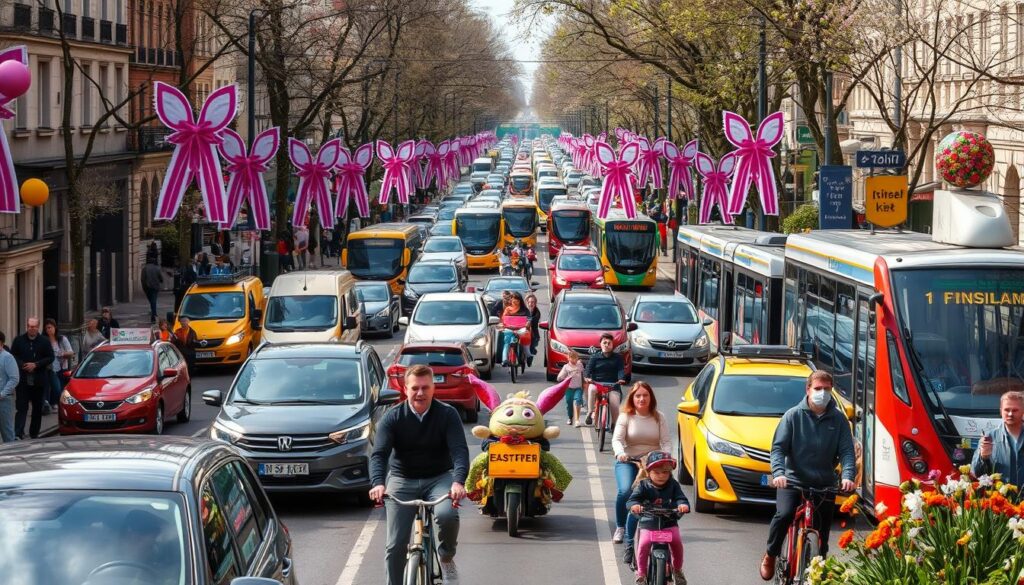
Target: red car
578 318
452 366
126 389
576 266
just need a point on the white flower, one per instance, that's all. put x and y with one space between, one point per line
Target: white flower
913 532
880 509
1017 526
1004 489
985 481
914 503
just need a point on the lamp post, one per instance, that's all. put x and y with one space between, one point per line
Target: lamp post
668 108
251 97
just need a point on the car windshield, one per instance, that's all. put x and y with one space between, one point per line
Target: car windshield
200 306
521 222
500 284
298 380
447 313
630 245
431 357
426 273
547 194
479 232
463 188
375 258
373 293
578 262
757 395
571 226
521 183
301 313
665 312
141 534
443 245
604 316
119 363
443 228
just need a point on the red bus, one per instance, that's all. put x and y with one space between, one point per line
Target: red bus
568 225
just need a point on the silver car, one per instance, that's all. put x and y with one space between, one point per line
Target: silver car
669 332
455 317
379 308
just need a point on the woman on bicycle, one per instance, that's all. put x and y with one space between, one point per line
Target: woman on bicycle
531 307
639 430
514 307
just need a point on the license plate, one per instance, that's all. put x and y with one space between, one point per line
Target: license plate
672 354
100 417
283 469
202 355
766 479
660 535
439 379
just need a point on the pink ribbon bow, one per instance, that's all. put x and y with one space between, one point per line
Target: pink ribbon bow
617 177
449 149
9 202
435 167
417 164
195 151
350 179
245 170
754 160
649 164
396 170
716 185
679 163
314 180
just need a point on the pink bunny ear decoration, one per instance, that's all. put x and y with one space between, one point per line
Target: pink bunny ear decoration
9 200
245 175
350 179
649 164
485 392
314 180
617 177
716 185
435 167
753 160
552 396
451 161
195 148
396 170
679 162
423 148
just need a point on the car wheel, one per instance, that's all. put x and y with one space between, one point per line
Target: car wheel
158 427
682 474
395 326
473 414
186 409
700 505
487 375
550 377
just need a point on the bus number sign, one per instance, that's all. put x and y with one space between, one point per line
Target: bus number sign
631 227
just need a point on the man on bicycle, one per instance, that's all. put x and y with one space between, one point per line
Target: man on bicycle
811 439
428 458
608 369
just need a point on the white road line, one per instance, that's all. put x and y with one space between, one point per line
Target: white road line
201 431
355 556
609 564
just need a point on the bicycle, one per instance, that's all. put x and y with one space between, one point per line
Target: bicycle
514 354
803 541
602 413
422 561
659 559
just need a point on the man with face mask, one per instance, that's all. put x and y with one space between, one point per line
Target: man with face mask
811 439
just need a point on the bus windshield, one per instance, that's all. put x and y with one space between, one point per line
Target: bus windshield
630 245
965 329
375 258
521 183
479 233
520 221
570 226
546 195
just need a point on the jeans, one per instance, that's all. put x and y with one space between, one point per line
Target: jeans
7 418
643 550
787 500
302 260
400 519
28 395
625 475
56 387
506 339
151 294
573 396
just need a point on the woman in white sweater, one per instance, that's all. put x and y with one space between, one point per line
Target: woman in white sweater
639 430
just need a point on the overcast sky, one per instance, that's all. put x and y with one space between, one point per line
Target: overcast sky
525 47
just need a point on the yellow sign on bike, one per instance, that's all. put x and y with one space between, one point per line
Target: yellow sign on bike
513 461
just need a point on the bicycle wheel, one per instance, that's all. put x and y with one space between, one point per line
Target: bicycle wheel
513 366
415 570
810 549
656 573
602 421
513 511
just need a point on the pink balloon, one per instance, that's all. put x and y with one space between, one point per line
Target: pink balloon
14 78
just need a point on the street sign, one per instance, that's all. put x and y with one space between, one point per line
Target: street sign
803 135
835 197
881 159
130 336
885 200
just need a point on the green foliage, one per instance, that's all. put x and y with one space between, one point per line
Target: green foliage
168 237
804 218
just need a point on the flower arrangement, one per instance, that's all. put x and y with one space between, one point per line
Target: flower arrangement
965 159
963 531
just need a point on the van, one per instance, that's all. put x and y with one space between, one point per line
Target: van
312 306
226 312
482 164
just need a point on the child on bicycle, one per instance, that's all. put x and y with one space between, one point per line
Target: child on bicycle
573 369
660 489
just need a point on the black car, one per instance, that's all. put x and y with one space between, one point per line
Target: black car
379 308
428 276
120 510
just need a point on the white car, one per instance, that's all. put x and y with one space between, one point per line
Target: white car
457 318
445 248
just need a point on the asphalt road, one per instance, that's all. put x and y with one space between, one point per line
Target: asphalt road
337 542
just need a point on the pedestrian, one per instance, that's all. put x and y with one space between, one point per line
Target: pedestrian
189 275
34 356
573 369
673 228
608 369
312 251
63 355
301 245
222 268
811 438
204 264
531 307
163 330
662 490
9 377
639 430
185 339
420 451
152 280
107 322
215 247
283 255
385 216
1000 450
91 338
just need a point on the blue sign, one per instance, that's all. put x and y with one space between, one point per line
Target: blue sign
835 197
881 159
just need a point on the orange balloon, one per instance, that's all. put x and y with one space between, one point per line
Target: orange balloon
34 192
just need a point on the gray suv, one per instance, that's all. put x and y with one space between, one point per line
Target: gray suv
304 414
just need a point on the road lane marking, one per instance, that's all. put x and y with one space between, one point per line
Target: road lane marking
609 564
201 431
355 556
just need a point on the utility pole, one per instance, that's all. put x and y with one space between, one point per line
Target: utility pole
898 90
251 97
394 105
828 117
657 122
668 109
762 74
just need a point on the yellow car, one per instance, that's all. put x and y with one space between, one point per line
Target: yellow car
226 313
727 420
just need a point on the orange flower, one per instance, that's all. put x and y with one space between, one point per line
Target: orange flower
846 539
848 504
874 540
964 539
933 500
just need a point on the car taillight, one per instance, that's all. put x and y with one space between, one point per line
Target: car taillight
462 372
912 451
396 371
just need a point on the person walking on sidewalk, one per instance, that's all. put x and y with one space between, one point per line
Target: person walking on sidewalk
301 245
9 378
34 356
62 356
152 280
107 322
91 338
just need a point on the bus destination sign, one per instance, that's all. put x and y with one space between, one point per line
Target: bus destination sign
881 159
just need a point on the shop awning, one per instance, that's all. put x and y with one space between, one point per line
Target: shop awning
924 191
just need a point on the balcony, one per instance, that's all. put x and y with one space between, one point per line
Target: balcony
106 30
150 139
46 18
88 29
121 34
22 17
70 25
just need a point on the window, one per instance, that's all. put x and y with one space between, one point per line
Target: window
707 296
702 384
750 320
104 87
104 10
43 91
86 12
233 494
119 8
221 566
21 112
791 323
86 96
846 307
119 87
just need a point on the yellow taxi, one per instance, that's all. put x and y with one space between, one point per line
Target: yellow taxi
727 420
226 312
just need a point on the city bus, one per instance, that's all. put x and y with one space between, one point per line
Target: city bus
520 219
543 193
733 275
520 183
482 232
628 248
383 251
568 225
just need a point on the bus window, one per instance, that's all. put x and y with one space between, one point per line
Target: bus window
822 327
845 311
707 296
808 313
791 323
751 314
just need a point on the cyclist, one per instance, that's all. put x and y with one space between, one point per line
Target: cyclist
428 458
504 262
662 490
606 368
811 438
514 311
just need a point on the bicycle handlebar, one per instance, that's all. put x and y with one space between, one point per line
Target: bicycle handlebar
417 503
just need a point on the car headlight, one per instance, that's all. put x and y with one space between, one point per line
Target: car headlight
622 347
641 339
720 445
559 346
237 337
141 396
351 434
702 341
220 431
382 313
480 341
67 398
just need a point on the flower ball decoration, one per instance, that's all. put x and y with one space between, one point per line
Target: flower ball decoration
965 159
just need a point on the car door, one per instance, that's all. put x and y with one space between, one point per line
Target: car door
688 424
173 386
378 379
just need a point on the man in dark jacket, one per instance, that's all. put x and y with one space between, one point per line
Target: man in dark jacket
34 355
608 369
811 439
152 279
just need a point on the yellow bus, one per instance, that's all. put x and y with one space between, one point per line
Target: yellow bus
543 193
628 248
482 232
383 251
520 219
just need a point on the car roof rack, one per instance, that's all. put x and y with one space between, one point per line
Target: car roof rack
240 273
778 352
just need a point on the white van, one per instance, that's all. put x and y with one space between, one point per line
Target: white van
482 164
312 306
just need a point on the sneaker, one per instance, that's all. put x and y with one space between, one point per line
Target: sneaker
449 573
569 422
589 420
678 578
627 556
578 423
640 580
619 533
